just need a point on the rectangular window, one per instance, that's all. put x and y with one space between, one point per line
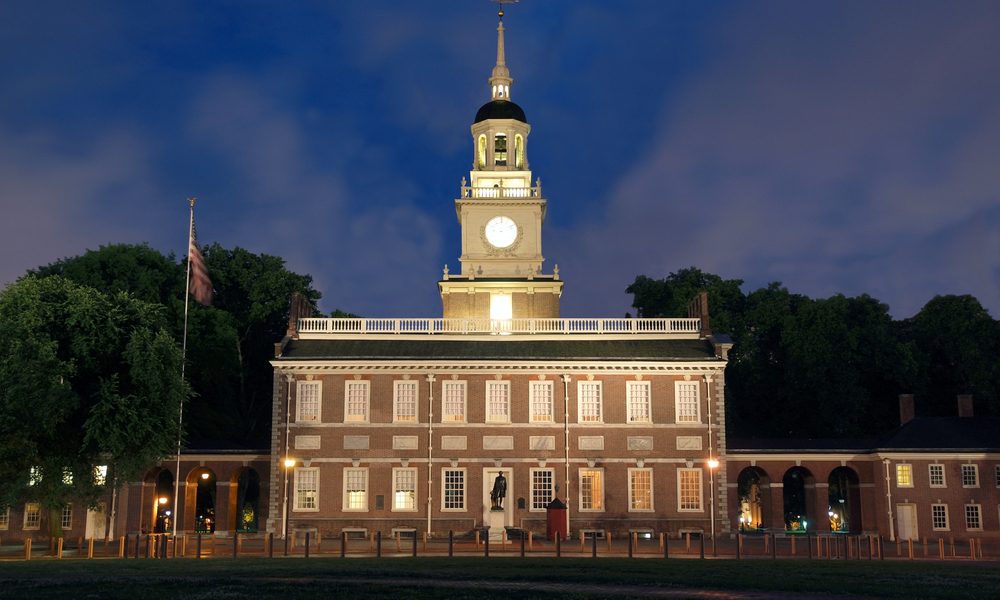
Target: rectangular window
32 516
904 475
970 476
4 518
540 400
307 400
637 402
101 475
453 489
542 491
592 489
973 517
356 489
453 402
500 150
589 401
689 490
686 402
356 401
404 496
66 518
404 402
498 402
306 488
640 489
939 517
936 475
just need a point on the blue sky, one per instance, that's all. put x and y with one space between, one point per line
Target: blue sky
837 147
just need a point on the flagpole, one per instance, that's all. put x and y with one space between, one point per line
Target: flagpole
180 411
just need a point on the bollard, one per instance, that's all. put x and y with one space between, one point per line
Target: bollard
607 537
774 545
477 538
593 546
972 548
793 545
701 539
941 548
184 545
522 543
503 540
486 546
343 544
809 546
149 544
881 548
909 548
378 544
236 544
414 543
739 545
531 540
59 548
307 544
451 543
583 538
951 543
198 546
767 542
137 545
424 537
666 544
286 544
121 547
687 541
27 548
166 542
270 545
558 545
630 544
398 535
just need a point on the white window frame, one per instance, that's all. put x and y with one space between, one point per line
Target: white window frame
586 471
350 412
904 475
589 418
633 415
397 414
348 474
947 521
931 468
397 489
450 416
680 490
32 524
540 394
970 468
632 474
300 415
492 417
979 516
66 517
540 491
684 416
444 487
5 519
306 495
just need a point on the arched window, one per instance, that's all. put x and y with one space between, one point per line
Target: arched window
518 152
482 151
845 500
500 150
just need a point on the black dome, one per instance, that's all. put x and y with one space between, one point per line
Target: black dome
500 109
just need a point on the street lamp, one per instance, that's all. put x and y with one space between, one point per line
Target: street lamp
713 464
289 463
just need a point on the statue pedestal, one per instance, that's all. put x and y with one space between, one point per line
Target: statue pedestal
496 524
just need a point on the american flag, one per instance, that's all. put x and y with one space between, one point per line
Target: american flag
201 285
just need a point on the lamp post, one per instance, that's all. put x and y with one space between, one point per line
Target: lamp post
289 463
713 464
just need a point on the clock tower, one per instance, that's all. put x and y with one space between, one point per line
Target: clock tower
501 213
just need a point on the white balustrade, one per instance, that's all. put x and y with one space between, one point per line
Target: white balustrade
501 192
504 326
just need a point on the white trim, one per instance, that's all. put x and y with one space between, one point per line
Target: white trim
346 500
38 516
599 386
396 471
599 472
701 490
498 384
696 385
979 515
947 518
458 384
361 384
900 468
396 385
465 489
299 385
534 385
629 387
297 477
975 470
631 488
531 487
930 476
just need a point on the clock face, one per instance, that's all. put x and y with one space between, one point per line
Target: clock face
501 231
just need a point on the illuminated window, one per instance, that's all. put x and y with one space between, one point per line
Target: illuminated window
689 490
540 401
542 488
518 152
500 150
686 402
481 152
497 401
453 489
4 518
356 489
501 309
970 476
973 517
308 400
404 403
591 489
306 488
356 401
936 475
67 476
34 475
404 497
66 518
453 401
589 401
640 489
32 516
101 475
637 401
904 475
939 517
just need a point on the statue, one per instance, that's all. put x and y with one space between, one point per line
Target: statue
499 492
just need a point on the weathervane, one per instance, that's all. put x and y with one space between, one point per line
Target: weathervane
501 3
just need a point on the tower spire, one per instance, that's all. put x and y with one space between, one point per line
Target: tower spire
500 79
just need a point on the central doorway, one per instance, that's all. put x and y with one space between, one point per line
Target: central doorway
494 519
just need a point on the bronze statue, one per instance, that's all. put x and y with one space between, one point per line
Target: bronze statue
499 491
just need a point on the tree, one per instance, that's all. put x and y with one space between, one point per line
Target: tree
669 297
86 379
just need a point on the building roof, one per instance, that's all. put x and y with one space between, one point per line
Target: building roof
569 348
500 109
922 434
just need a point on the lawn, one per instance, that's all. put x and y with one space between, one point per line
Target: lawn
507 577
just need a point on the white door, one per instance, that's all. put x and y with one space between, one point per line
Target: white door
906 516
495 519
96 523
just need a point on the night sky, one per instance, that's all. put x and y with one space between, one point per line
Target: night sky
837 147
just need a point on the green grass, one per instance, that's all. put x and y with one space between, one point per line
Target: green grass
507 577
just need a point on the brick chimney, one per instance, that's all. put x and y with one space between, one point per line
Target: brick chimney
906 409
965 405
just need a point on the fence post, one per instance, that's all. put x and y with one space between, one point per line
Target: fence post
378 544
739 544
414 543
774 546
666 544
451 543
307 544
522 543
27 548
343 544
558 545
593 546
236 544
909 548
198 546
701 551
59 548
531 541
270 544
486 545
165 544
972 548
941 548
121 547
630 534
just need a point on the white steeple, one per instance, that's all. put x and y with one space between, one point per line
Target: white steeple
500 80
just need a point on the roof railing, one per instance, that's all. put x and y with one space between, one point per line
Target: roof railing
356 326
